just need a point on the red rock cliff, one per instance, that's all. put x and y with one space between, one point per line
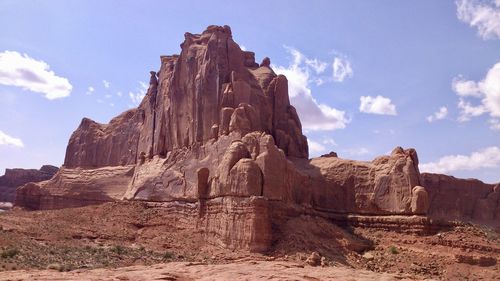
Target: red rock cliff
212 88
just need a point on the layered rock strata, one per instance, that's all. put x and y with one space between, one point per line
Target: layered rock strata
18 177
216 133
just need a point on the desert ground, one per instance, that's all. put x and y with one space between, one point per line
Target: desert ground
139 241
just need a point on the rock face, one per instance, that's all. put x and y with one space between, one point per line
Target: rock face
76 188
462 199
17 177
211 85
216 134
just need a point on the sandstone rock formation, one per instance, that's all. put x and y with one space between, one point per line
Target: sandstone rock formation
212 84
462 199
216 134
17 177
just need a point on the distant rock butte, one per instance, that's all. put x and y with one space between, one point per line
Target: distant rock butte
216 133
14 178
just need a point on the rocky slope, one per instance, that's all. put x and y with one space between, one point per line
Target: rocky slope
17 177
217 140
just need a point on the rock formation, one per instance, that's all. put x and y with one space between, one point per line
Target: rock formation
462 199
17 177
216 133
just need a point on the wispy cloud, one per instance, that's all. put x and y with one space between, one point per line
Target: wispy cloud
341 69
317 65
90 90
329 141
359 151
20 70
485 158
377 105
494 124
440 114
314 115
315 148
137 96
8 140
106 84
483 15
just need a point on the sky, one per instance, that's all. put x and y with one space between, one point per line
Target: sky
365 76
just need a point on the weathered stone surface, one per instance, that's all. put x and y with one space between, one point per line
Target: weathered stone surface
463 199
75 188
95 145
14 178
382 186
419 200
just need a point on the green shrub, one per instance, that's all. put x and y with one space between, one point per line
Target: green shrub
393 250
119 250
9 253
168 255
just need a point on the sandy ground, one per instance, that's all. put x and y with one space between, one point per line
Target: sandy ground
238 270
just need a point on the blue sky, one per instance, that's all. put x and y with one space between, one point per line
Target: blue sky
366 76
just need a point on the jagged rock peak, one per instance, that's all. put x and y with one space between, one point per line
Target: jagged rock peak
212 88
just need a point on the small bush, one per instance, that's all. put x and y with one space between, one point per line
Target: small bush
119 250
168 255
9 253
393 250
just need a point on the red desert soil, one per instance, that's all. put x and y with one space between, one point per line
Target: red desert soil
138 241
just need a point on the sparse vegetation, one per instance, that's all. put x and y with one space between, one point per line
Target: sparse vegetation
393 250
168 255
119 250
9 253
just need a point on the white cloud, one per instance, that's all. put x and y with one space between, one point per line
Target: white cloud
108 96
21 70
314 116
119 94
377 105
341 69
467 110
106 84
139 94
90 90
243 48
487 90
485 158
315 147
490 86
441 114
465 88
483 15
8 140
